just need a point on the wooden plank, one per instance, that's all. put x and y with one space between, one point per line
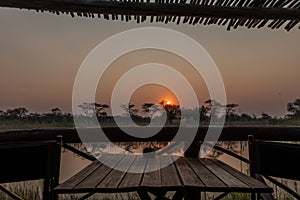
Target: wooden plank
187 175
114 178
209 179
93 179
152 178
252 182
78 177
169 175
226 151
78 152
134 179
9 193
231 181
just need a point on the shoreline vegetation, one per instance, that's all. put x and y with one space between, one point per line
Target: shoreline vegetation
173 115
20 125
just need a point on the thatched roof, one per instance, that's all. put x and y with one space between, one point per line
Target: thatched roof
231 13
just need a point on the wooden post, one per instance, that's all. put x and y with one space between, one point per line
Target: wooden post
250 150
46 187
55 182
54 157
193 151
251 154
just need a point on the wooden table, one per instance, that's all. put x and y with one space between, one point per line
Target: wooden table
183 175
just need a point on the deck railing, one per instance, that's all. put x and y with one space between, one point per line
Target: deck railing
116 134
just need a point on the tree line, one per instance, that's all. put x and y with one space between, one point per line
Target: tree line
22 114
150 111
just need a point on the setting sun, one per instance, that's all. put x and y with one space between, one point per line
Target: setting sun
168 102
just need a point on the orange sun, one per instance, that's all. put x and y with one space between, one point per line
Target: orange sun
168 102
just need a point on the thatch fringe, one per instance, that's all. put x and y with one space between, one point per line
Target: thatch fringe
272 14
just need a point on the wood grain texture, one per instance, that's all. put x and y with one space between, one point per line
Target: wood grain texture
184 175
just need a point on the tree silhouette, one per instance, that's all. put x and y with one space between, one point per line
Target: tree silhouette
245 117
266 117
203 111
130 110
56 111
16 113
151 109
89 109
35 117
173 111
100 110
294 108
54 116
146 107
213 108
230 110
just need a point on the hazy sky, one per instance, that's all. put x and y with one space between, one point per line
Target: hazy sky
40 54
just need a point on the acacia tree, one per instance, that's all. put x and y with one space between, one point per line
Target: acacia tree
56 111
294 109
130 110
101 110
151 109
35 117
213 108
203 113
16 113
230 110
266 117
245 117
54 116
89 109
173 111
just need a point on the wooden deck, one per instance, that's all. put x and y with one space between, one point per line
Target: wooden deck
183 175
187 176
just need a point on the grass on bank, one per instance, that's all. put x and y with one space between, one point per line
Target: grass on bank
19 124
32 190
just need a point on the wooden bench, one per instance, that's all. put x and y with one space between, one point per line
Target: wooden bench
183 176
272 160
24 161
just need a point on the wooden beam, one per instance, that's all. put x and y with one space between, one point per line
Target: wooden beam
115 134
78 152
9 193
154 9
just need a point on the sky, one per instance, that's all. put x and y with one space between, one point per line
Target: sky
41 53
